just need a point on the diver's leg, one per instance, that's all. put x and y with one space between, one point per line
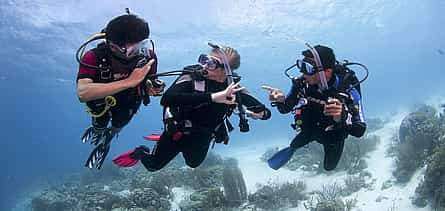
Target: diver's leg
301 139
163 152
332 153
119 118
195 149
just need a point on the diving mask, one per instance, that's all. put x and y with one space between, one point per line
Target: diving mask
306 67
209 62
132 50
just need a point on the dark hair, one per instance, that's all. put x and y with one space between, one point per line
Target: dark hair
326 54
126 29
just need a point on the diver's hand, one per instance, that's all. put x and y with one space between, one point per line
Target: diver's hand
139 74
254 115
333 108
275 95
227 96
155 87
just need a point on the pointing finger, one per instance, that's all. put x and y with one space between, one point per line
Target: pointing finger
268 88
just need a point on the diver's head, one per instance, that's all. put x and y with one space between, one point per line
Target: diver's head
214 63
313 72
124 34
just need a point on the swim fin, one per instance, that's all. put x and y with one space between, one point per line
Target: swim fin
97 156
93 134
153 137
131 157
280 158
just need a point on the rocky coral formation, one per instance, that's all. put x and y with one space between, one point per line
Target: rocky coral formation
235 189
329 199
53 201
136 189
419 133
278 196
433 186
208 199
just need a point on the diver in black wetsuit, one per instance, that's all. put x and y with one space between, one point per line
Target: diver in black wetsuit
329 106
195 110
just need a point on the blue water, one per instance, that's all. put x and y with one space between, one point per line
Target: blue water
42 120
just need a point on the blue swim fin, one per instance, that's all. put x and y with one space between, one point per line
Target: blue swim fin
280 158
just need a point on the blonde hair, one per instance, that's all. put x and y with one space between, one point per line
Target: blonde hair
232 55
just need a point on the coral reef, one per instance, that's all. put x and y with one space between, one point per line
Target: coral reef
329 199
278 196
136 189
433 186
419 133
235 189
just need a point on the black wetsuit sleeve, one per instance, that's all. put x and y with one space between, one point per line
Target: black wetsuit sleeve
183 94
290 101
254 105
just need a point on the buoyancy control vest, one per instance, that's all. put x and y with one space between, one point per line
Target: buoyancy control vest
177 118
113 69
346 81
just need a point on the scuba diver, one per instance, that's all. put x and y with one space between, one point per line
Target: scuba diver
112 80
326 102
196 108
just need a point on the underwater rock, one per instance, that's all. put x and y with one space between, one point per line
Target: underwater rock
278 196
419 201
235 189
335 205
149 199
381 198
419 133
53 201
417 124
107 174
432 187
207 199
96 200
354 184
385 185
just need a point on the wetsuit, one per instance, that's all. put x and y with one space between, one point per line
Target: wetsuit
127 101
323 129
205 116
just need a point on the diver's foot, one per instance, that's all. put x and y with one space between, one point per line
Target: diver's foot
94 135
140 152
131 157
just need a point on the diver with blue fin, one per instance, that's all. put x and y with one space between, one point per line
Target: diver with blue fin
113 80
326 103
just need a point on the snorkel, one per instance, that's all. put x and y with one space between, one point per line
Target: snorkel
227 68
243 122
319 67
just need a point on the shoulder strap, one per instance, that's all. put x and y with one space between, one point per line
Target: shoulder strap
348 79
102 60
